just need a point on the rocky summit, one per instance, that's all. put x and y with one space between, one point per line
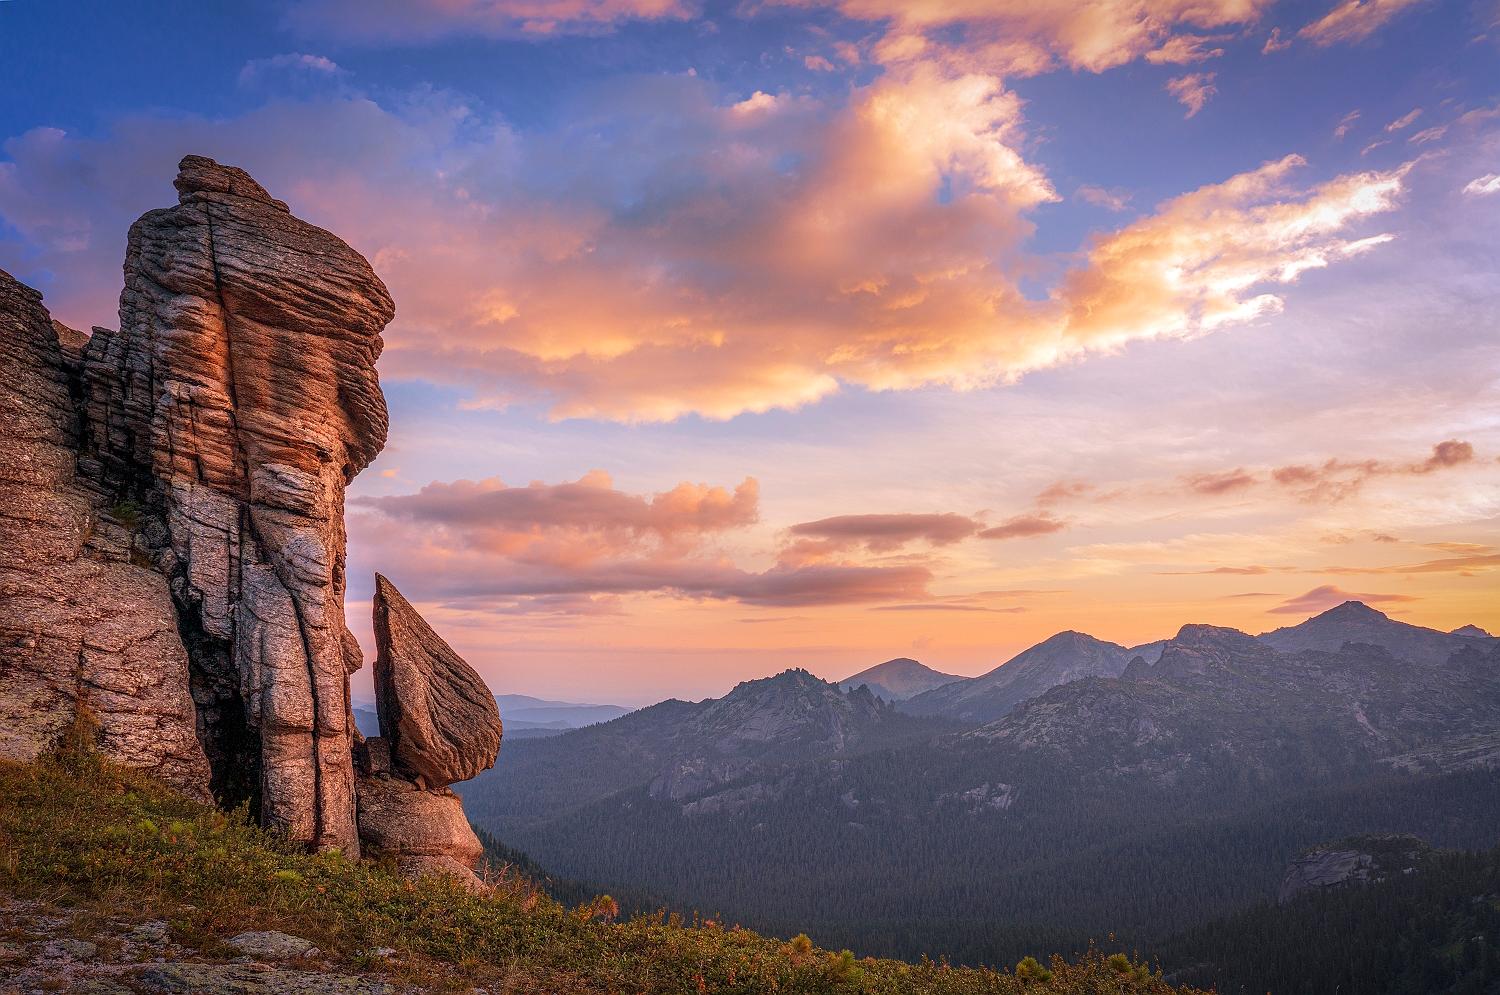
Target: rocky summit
172 561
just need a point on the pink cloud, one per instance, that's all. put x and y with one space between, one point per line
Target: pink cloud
1320 599
590 505
579 547
410 21
1337 479
1024 527
1028 36
1113 200
1193 90
1250 571
1224 482
883 533
1353 20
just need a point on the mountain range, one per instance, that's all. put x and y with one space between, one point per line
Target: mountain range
791 801
1067 656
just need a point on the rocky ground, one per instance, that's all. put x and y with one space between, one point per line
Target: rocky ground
46 948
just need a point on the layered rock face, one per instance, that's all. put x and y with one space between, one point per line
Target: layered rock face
235 403
173 554
83 625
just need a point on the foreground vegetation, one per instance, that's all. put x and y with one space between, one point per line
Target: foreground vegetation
83 833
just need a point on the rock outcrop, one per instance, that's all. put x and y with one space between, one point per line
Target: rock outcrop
436 713
84 626
424 829
1358 860
171 520
235 403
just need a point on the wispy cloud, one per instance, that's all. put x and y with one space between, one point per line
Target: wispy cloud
1483 185
1354 20
1327 596
1404 121
1193 90
1024 527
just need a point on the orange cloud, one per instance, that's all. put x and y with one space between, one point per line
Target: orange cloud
712 279
1353 20
1197 263
1193 90
1470 563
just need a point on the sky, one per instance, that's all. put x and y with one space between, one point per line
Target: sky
734 337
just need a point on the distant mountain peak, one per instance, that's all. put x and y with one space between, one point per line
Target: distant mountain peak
1198 648
1062 657
1351 610
1357 622
898 679
1199 634
1471 630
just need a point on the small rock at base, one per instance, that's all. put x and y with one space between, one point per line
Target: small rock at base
271 945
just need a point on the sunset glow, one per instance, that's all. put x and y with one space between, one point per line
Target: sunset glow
738 337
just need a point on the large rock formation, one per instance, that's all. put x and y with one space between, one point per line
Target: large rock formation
172 554
435 712
84 627
236 402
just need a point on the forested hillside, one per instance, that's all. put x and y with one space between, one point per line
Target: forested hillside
1436 931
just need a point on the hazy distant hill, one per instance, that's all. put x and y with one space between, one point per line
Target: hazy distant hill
524 717
898 679
539 712
1356 622
1064 657
789 803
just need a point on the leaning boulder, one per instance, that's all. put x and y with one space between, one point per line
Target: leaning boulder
435 712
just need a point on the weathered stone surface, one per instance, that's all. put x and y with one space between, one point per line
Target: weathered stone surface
83 626
235 403
436 713
270 944
424 829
